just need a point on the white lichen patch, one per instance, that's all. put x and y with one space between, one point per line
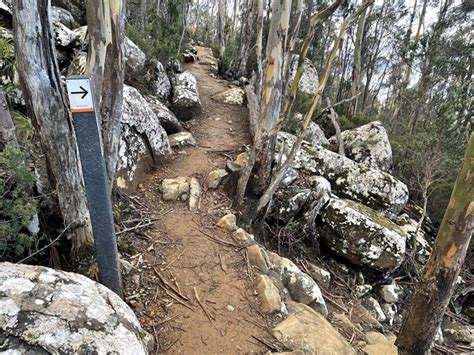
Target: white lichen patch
15 286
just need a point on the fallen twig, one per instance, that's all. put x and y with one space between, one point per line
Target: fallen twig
172 261
209 316
167 284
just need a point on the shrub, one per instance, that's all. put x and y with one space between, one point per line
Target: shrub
17 206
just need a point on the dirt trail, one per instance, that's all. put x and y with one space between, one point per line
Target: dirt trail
188 255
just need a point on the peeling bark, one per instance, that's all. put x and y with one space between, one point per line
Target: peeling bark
442 269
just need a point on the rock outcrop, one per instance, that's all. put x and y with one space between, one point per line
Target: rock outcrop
362 235
167 118
233 96
159 82
185 99
348 178
368 144
46 311
314 135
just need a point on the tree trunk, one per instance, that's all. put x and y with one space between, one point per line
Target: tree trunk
442 269
105 62
221 25
259 46
246 37
357 63
143 13
278 176
7 128
42 88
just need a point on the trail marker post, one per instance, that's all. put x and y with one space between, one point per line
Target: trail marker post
89 141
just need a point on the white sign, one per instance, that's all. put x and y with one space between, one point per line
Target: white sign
80 94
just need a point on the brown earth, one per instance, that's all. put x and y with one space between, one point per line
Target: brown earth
188 253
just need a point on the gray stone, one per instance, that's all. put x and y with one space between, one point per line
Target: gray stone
309 81
368 144
268 294
49 311
362 235
348 178
58 14
76 7
167 118
181 139
233 96
185 99
215 177
174 189
373 306
390 293
63 36
228 222
78 64
301 287
320 275
141 133
134 59
159 82
314 135
195 192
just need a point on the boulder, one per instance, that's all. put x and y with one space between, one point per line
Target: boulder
320 275
362 235
159 82
64 37
215 177
416 237
301 287
134 59
141 133
82 34
174 189
378 344
185 99
6 13
189 57
234 96
77 8
348 178
309 81
314 135
181 139
390 293
6 33
368 144
167 118
58 14
301 204
455 332
308 331
243 237
45 311
267 294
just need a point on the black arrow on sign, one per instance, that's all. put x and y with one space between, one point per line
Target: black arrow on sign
84 92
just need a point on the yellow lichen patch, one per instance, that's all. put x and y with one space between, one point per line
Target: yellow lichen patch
469 210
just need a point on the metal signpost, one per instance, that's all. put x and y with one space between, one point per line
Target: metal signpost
95 178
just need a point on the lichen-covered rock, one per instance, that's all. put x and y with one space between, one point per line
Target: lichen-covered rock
301 204
159 82
320 275
309 81
78 64
6 13
314 135
181 139
234 96
49 311
368 144
301 287
373 306
141 131
82 34
134 58
189 57
362 235
185 98
76 7
308 331
348 178
58 14
243 237
174 189
416 237
63 36
167 118
258 257
215 177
